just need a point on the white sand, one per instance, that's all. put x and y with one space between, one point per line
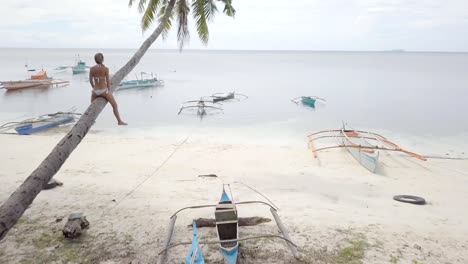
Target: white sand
324 203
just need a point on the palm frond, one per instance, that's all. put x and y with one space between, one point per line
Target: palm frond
168 25
130 3
149 14
200 15
183 33
228 8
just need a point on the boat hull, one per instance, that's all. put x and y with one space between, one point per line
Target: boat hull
366 157
308 101
227 228
34 127
195 255
139 84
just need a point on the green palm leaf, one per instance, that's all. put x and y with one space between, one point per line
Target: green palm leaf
168 25
149 14
228 8
203 11
183 33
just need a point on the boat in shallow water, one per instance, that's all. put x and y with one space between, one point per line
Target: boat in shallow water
38 80
38 124
80 67
307 100
140 83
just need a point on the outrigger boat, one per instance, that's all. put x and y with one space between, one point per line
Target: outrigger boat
79 67
364 146
307 100
38 80
221 97
140 83
41 123
200 106
227 230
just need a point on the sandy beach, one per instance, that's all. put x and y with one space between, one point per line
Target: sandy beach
335 210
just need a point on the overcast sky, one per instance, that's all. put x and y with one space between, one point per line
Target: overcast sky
422 25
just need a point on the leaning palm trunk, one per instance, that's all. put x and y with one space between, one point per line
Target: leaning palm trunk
14 207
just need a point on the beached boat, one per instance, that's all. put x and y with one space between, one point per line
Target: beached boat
38 80
195 255
38 124
354 143
227 225
140 83
307 100
364 146
80 67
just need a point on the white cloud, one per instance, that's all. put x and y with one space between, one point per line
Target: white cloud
259 24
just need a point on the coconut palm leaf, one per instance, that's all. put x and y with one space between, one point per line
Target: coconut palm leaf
228 8
203 11
168 24
183 34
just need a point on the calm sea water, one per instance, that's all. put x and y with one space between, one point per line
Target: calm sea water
412 93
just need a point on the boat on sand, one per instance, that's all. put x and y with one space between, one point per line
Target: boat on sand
364 146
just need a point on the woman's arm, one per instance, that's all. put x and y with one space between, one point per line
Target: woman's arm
91 80
107 79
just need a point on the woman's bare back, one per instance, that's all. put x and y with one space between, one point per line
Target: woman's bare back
99 77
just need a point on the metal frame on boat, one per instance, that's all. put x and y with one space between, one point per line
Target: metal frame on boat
227 228
200 106
364 146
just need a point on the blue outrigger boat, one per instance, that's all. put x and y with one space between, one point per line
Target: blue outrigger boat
227 227
80 67
38 124
44 122
307 100
195 255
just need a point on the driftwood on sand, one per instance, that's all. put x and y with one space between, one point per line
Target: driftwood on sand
243 221
75 225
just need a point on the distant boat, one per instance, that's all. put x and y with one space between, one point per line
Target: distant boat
38 80
80 67
140 83
307 100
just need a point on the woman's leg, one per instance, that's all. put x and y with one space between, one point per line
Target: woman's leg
93 96
110 98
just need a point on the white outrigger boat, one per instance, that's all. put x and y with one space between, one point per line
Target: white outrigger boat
364 146
141 83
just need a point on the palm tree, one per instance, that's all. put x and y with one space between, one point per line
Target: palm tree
165 11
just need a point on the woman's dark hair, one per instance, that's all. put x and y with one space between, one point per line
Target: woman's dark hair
99 58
